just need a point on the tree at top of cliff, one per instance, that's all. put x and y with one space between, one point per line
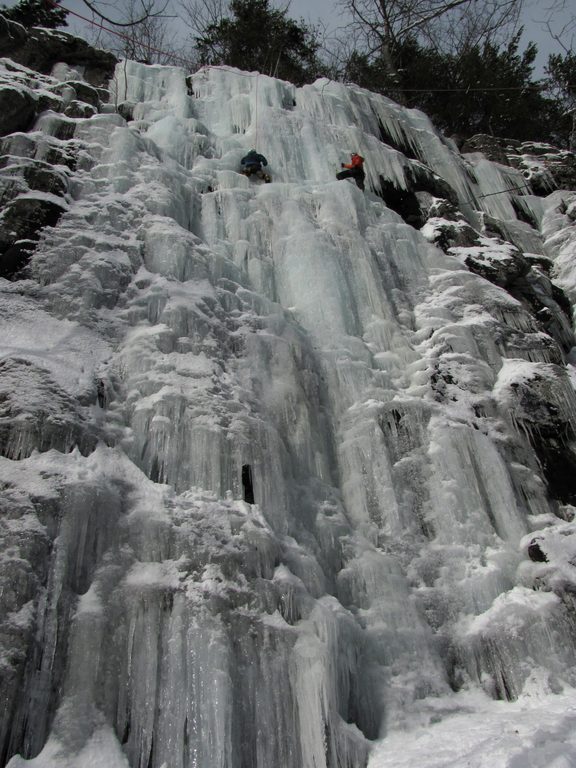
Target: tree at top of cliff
561 71
381 28
36 13
482 89
495 93
259 37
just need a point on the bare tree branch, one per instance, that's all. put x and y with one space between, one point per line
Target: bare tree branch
149 10
445 24
201 14
493 21
559 19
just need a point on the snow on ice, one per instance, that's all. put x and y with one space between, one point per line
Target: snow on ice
377 605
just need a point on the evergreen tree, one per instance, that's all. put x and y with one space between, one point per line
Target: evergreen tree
36 13
561 71
384 27
500 97
258 37
418 69
482 89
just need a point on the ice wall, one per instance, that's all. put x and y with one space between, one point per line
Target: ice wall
197 322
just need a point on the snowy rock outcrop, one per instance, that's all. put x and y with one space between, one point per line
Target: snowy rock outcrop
543 166
35 166
274 455
40 49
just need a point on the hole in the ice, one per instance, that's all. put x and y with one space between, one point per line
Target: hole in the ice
186 736
155 471
403 201
101 393
247 486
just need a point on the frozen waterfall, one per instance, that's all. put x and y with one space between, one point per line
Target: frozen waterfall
407 421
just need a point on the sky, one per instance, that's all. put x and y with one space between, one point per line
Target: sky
328 11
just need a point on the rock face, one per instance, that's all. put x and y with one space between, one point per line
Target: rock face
20 226
49 420
544 167
35 166
41 49
18 110
272 457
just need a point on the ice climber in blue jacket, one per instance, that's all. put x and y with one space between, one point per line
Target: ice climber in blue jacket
252 165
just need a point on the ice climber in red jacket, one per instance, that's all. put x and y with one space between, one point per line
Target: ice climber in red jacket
354 170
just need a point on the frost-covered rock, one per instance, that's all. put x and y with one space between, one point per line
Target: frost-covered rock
543 166
45 418
34 166
20 223
526 277
541 400
41 49
17 110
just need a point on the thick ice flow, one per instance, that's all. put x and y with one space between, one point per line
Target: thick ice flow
272 482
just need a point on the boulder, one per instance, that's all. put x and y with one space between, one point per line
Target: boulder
20 226
497 261
540 399
543 163
83 92
493 147
23 175
41 49
79 109
126 109
17 110
43 177
43 148
502 264
535 552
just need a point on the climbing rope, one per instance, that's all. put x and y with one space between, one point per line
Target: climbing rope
188 64
256 91
510 189
256 115
524 188
191 65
